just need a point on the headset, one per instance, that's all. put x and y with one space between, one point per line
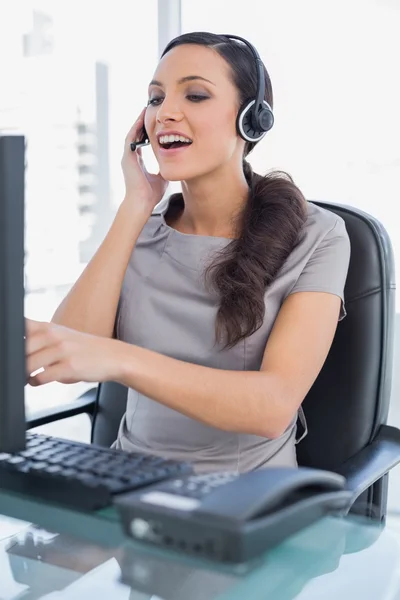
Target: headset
255 117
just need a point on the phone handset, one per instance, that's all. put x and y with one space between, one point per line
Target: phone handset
143 141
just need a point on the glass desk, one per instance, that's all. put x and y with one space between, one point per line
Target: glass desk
68 555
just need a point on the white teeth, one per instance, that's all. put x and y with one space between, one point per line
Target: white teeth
168 139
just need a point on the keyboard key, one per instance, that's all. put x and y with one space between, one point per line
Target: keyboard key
16 460
29 453
53 469
38 466
66 472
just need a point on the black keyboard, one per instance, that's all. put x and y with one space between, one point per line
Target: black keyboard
81 476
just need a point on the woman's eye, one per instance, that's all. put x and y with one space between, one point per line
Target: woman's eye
196 97
153 101
192 97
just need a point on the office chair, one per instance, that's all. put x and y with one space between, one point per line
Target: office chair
347 407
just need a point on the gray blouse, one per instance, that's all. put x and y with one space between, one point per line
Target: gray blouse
164 306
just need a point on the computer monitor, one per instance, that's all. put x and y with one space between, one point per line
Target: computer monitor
12 324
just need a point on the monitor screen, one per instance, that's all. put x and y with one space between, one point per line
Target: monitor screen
12 325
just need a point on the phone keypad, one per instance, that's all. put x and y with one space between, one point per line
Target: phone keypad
198 486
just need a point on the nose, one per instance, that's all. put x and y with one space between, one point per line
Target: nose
168 112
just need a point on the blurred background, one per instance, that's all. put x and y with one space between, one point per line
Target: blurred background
74 77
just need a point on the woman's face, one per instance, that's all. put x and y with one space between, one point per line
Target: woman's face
192 94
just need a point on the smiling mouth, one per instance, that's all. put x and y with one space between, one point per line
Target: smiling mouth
172 145
173 141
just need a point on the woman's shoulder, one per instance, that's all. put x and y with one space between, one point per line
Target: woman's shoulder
156 224
154 229
323 224
323 239
322 219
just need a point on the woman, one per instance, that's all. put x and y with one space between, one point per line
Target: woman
217 311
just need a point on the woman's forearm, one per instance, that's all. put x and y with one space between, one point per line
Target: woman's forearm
91 304
242 401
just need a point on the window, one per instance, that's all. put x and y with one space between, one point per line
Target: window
74 78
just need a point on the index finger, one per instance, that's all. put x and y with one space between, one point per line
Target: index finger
32 326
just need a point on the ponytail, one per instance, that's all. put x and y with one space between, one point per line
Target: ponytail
270 228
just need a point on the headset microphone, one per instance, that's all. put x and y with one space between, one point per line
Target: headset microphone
143 141
135 145
255 117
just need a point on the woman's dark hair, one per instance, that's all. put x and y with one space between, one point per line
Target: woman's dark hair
268 228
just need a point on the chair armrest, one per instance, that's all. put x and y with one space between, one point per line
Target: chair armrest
85 403
373 461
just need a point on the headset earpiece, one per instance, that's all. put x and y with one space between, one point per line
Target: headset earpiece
252 127
255 117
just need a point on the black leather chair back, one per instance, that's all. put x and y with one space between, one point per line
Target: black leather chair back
350 398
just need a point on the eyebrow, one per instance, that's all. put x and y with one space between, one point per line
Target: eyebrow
182 80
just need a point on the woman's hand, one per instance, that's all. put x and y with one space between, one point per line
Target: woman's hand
143 189
69 356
